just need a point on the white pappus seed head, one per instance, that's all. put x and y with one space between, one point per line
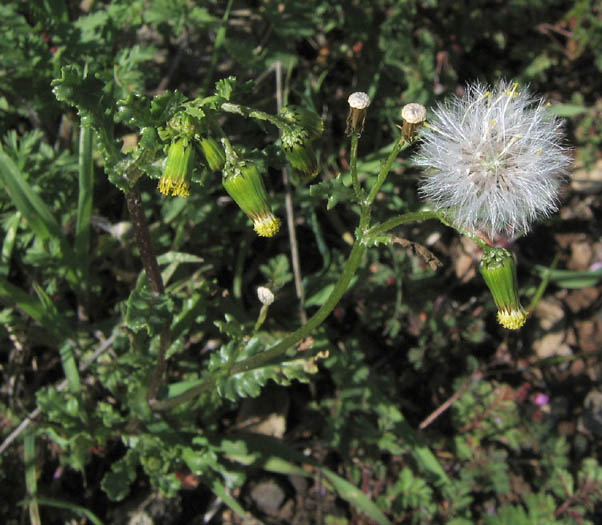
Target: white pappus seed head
495 158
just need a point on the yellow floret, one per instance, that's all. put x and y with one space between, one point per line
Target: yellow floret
266 226
512 320
168 186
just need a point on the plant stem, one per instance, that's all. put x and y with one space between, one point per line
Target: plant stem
280 348
151 267
316 320
31 477
542 286
399 146
349 270
359 194
143 240
393 222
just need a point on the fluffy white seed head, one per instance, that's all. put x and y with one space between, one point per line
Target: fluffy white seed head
495 159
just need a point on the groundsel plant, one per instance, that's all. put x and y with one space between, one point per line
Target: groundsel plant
498 164
495 160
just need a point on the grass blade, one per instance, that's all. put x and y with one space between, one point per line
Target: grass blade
76 509
569 278
274 455
221 492
48 318
35 211
45 313
70 367
220 37
27 201
355 496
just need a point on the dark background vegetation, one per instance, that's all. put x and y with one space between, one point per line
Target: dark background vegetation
521 442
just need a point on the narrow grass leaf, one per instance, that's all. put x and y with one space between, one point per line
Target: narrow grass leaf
567 110
570 278
221 492
14 296
276 455
35 211
76 509
27 201
355 496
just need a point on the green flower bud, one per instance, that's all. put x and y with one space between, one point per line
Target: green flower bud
180 125
299 152
244 184
304 118
499 271
178 169
304 160
214 153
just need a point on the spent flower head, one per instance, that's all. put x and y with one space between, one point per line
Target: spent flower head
497 160
413 116
265 295
358 104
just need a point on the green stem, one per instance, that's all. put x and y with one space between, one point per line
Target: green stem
359 194
280 348
31 477
393 222
316 320
399 146
349 270
263 313
543 285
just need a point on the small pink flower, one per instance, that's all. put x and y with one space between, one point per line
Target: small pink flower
540 399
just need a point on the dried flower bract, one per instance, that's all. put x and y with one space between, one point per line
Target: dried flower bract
413 116
358 104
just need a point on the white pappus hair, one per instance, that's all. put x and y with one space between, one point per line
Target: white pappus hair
495 160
